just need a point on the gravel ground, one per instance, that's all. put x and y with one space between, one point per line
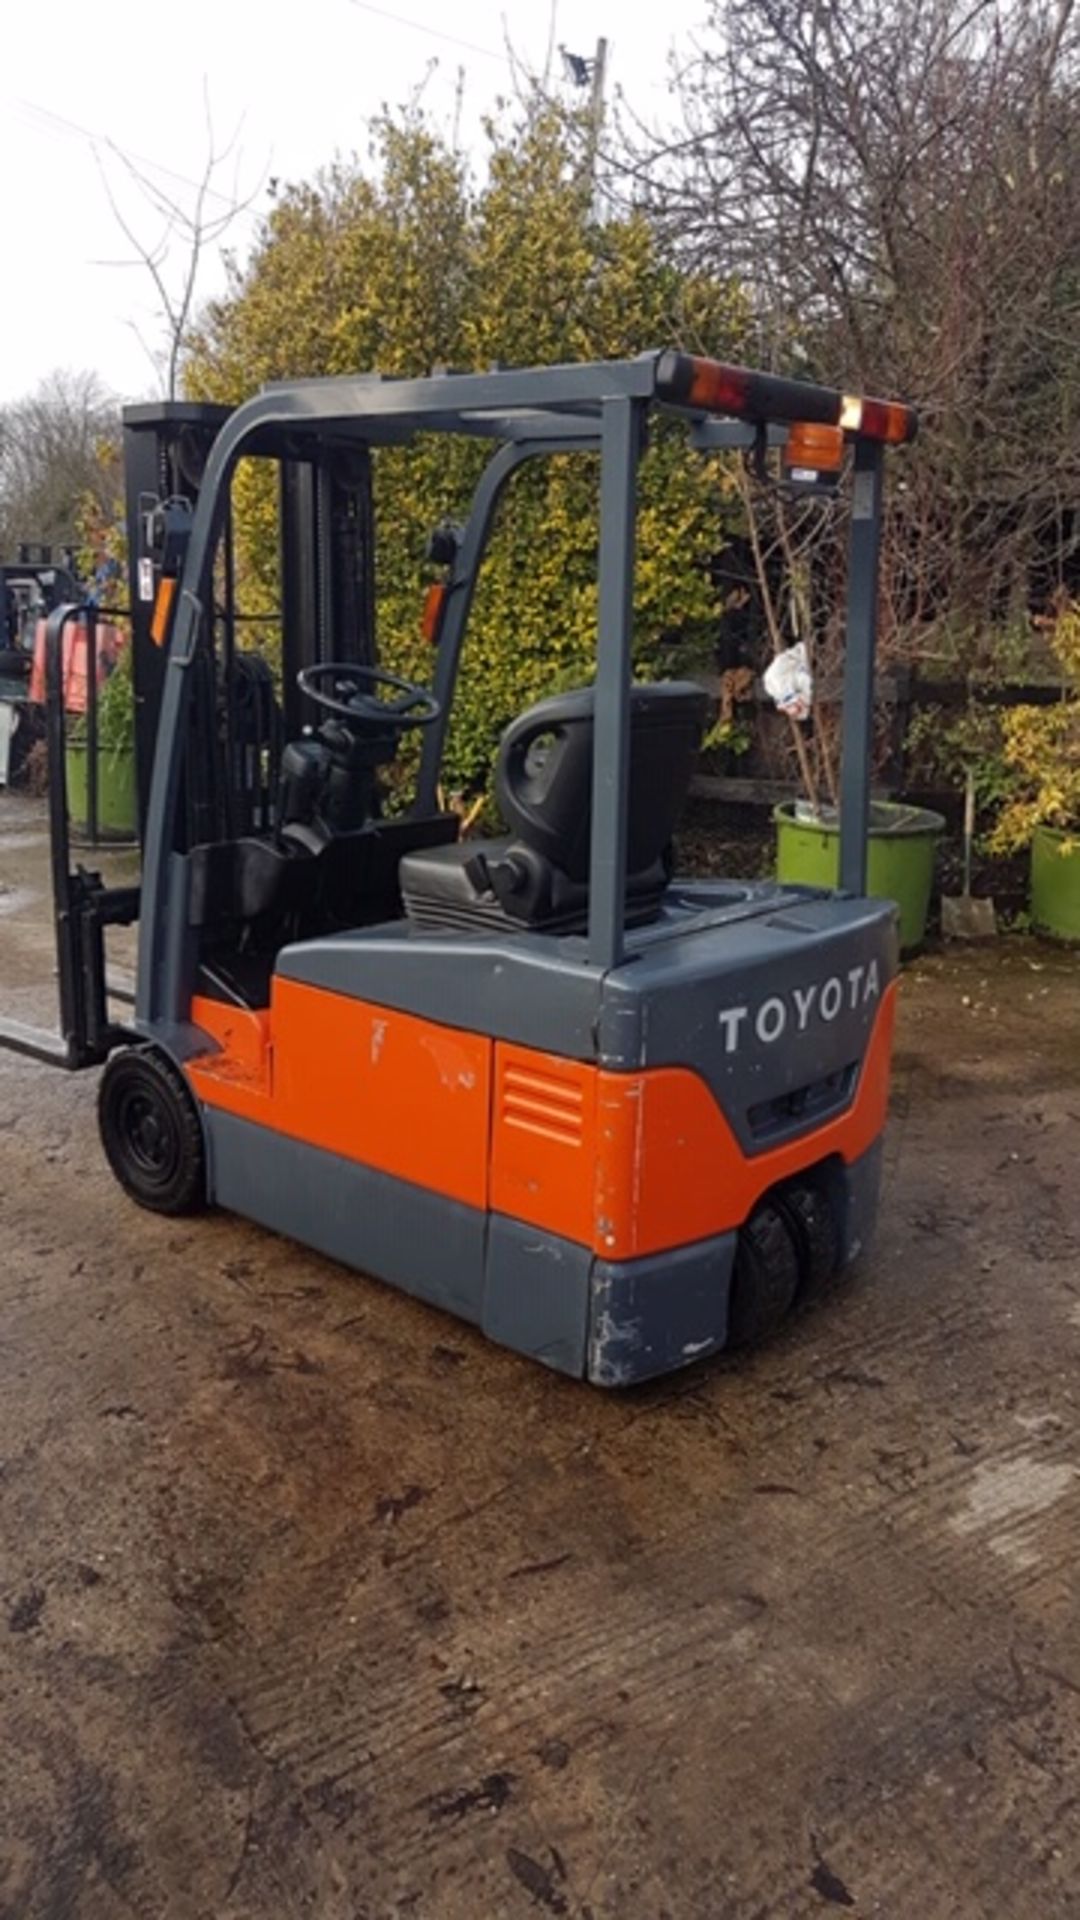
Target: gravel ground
312 1603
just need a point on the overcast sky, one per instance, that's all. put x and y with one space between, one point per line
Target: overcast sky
304 79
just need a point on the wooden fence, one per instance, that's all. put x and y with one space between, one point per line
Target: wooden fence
899 696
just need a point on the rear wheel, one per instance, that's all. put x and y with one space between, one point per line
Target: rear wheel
764 1279
814 1228
151 1132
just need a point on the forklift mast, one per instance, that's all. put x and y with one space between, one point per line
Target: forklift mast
245 701
326 605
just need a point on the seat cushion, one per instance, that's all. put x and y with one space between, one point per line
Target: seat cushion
458 889
439 894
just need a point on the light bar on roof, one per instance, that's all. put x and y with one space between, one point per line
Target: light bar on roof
708 386
887 420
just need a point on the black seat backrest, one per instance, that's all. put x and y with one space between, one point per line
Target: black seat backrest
543 779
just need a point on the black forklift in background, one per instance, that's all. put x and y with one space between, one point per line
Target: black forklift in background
617 1119
31 587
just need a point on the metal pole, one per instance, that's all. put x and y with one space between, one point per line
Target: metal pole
81 906
299 618
580 436
234 772
324 595
596 123
596 109
72 1013
620 447
89 625
864 547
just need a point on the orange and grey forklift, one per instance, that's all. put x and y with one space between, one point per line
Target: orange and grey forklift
616 1119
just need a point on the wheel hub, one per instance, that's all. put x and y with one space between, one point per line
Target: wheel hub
150 1137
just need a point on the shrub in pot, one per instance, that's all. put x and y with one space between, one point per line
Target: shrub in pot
115 755
901 846
806 679
1042 748
902 842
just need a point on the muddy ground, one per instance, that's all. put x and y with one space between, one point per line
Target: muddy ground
311 1603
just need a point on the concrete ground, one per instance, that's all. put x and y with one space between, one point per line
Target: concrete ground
312 1603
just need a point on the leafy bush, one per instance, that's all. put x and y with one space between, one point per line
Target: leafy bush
115 710
947 745
1042 747
406 266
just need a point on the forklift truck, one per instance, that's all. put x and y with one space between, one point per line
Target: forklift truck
616 1119
30 587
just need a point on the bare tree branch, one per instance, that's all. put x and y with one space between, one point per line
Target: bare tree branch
895 185
58 450
186 232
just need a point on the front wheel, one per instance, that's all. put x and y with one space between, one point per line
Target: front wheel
151 1132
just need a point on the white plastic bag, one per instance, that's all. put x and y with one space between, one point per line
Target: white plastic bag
789 682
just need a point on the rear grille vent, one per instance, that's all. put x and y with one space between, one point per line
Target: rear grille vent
539 1103
819 1100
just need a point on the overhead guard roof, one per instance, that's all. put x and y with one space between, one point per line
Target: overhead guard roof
559 402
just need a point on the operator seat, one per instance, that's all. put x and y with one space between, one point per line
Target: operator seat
537 876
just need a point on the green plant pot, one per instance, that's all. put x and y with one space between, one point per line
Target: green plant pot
900 858
115 789
1055 884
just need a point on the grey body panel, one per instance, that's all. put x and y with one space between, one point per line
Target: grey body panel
521 987
615 1323
536 1295
855 1193
536 989
759 1009
420 1241
651 1316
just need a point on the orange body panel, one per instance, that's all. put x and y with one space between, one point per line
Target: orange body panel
400 1094
628 1164
670 1170
543 1141
632 1163
243 1063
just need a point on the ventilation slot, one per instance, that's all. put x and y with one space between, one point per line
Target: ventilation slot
537 1103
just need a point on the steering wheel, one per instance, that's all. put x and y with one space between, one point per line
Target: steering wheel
350 692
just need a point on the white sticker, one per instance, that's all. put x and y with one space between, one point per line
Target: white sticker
862 497
146 579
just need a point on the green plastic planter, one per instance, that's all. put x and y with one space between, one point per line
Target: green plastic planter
900 858
1055 884
115 789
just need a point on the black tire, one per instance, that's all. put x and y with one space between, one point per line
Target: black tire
816 1233
151 1132
764 1279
